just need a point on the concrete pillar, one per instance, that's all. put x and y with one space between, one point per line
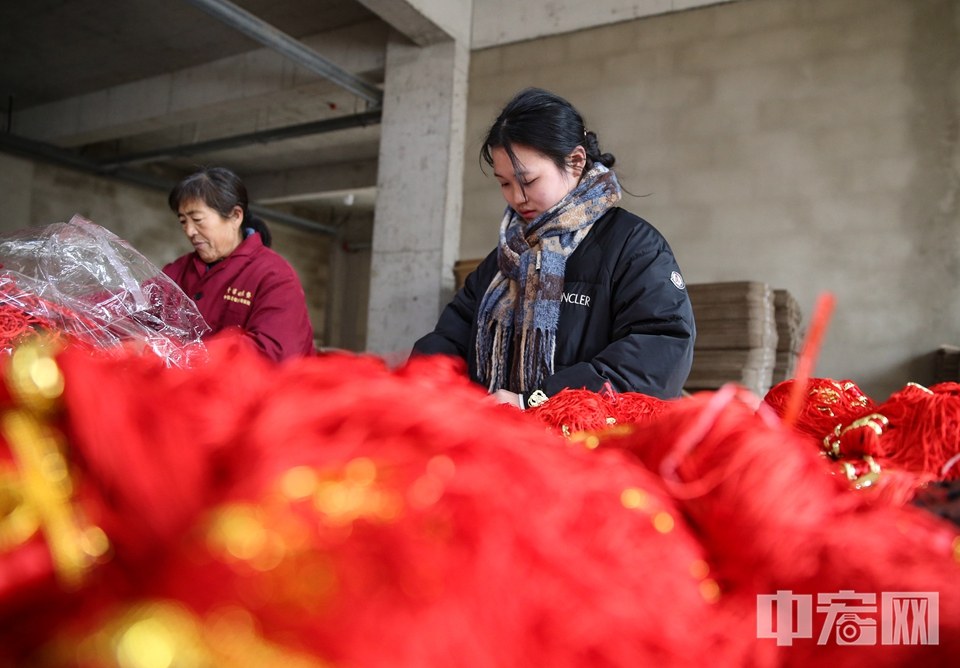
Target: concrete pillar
416 232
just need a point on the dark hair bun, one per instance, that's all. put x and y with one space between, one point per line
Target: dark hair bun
592 146
258 226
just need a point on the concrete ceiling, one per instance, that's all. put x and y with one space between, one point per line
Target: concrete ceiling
54 49
61 55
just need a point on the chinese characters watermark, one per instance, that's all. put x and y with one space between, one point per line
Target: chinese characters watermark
906 618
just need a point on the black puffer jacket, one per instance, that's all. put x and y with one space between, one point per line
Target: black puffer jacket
625 317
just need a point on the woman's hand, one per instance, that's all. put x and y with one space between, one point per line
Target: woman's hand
506 397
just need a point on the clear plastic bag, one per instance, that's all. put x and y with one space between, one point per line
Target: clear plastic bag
80 280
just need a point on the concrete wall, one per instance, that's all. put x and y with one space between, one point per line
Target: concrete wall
37 194
137 215
16 177
349 291
308 254
811 144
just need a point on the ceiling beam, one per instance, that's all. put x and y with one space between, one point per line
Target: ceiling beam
260 137
408 19
35 150
498 22
258 29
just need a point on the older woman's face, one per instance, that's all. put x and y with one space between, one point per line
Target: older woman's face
213 236
544 184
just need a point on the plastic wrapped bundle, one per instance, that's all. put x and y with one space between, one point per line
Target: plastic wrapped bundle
81 280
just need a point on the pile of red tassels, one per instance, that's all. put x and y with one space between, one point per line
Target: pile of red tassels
24 315
330 512
909 440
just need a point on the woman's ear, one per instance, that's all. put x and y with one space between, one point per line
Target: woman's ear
576 161
236 216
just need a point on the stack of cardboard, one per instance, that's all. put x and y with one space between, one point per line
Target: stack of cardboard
463 268
947 365
736 336
789 334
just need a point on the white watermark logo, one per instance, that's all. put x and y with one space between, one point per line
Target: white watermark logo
906 618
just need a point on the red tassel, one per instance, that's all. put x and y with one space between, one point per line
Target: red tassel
460 534
571 411
807 361
828 403
916 429
773 518
428 527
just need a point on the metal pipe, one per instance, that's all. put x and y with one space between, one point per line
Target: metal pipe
291 220
258 29
261 137
54 154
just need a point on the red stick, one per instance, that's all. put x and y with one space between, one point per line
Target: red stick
807 362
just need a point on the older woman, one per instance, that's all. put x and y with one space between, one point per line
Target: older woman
232 274
580 292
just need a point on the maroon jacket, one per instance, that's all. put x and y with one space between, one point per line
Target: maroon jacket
253 288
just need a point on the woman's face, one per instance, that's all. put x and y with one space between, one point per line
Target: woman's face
213 236
544 184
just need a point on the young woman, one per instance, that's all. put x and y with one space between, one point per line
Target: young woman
579 293
232 275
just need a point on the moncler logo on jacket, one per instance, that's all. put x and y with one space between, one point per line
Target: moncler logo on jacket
574 298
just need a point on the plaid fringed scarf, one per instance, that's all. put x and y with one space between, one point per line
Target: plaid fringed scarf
522 304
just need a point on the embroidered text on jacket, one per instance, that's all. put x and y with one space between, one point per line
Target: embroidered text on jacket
574 298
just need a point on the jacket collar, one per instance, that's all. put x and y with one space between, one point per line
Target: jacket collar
247 247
